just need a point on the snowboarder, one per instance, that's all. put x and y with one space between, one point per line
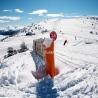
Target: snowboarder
65 42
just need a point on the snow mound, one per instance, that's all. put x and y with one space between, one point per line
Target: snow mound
80 82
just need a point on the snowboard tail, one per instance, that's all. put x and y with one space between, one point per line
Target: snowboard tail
39 75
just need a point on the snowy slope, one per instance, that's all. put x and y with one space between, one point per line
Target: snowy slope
77 61
72 24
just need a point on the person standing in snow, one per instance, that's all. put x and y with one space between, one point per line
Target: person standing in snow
75 38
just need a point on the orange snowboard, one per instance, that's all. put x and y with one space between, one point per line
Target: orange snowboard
49 61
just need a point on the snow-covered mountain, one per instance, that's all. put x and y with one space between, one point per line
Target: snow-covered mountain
10 30
72 25
77 61
33 29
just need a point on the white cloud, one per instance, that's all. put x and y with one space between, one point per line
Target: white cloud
55 15
7 10
18 11
9 18
40 12
72 16
4 21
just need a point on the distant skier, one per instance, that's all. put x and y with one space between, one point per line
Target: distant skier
65 42
75 38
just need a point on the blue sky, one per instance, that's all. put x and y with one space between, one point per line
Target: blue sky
22 12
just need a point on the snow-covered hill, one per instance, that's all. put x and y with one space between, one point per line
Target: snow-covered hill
77 61
10 30
72 25
33 29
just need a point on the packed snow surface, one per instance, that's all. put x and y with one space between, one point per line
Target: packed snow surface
77 61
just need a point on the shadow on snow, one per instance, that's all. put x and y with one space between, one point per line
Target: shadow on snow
45 87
